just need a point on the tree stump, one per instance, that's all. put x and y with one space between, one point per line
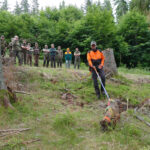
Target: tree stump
6 94
110 66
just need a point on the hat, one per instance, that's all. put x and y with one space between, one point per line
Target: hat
93 43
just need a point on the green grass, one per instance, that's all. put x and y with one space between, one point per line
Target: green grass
64 126
134 71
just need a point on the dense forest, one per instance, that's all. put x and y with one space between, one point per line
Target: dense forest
126 30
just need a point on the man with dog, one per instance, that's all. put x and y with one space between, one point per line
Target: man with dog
96 62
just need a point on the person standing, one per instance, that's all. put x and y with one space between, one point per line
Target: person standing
10 48
24 51
53 53
59 57
68 58
29 54
17 50
36 55
46 56
3 46
77 58
96 62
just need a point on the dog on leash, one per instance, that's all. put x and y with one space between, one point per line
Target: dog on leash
112 115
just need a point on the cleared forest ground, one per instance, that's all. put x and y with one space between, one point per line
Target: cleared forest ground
72 123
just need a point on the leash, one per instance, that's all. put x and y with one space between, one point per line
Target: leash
102 84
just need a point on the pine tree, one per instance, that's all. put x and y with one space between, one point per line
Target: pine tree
88 3
141 5
122 7
25 6
35 7
5 5
17 10
107 5
62 5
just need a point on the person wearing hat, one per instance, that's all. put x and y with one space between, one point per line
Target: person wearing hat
3 45
68 58
96 61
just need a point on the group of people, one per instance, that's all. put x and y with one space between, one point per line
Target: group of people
24 53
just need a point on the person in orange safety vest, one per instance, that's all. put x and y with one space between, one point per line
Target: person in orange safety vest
96 61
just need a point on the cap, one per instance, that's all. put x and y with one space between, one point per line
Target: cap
93 43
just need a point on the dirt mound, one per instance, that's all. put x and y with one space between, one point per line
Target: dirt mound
70 99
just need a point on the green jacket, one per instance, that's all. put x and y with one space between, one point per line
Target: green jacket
68 56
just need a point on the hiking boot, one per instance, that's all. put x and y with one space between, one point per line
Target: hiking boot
98 97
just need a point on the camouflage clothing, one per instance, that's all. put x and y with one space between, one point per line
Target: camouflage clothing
29 55
10 50
59 58
17 51
36 56
24 51
46 57
3 47
77 59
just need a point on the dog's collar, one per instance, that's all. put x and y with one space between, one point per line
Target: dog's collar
107 119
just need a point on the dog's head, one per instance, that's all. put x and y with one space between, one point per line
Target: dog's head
105 125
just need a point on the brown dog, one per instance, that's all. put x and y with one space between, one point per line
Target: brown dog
112 115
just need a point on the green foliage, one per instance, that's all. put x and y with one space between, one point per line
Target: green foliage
72 27
134 28
142 6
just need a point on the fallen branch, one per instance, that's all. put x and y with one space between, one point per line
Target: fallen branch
31 141
25 143
141 119
22 92
9 134
15 130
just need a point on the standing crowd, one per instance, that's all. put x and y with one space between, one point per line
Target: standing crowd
24 52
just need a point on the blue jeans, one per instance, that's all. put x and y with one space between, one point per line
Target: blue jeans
68 63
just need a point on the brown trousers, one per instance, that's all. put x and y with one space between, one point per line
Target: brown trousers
29 59
36 60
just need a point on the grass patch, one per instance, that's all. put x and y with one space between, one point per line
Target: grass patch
70 127
134 71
